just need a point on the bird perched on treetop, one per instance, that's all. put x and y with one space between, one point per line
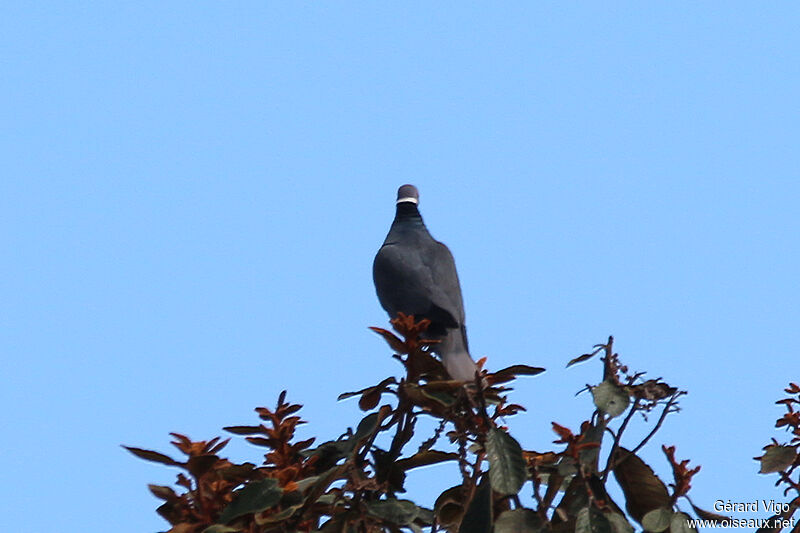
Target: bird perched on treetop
416 275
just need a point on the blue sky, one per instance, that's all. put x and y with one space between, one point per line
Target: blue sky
193 193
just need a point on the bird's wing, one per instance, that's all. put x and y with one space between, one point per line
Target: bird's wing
445 278
410 280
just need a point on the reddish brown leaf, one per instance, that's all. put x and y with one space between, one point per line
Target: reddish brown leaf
183 527
425 458
565 433
303 444
293 421
246 430
382 386
510 409
184 482
149 455
643 490
261 441
171 512
394 343
449 506
510 373
536 458
708 515
581 359
184 443
161 492
653 390
292 409
218 447
236 473
407 326
200 464
350 394
369 399
266 414
680 472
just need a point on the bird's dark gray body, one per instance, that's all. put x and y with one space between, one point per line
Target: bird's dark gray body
416 275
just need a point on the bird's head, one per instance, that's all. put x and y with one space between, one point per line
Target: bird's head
408 193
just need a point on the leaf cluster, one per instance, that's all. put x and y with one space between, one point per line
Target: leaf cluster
353 483
783 459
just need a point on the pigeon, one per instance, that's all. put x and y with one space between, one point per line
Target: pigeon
416 275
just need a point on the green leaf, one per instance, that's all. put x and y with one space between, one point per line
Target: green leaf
610 398
327 499
618 523
545 479
398 512
519 520
589 455
331 451
680 524
367 425
567 467
439 396
304 483
507 469
280 516
478 517
592 520
253 498
341 523
316 492
777 458
424 516
575 498
657 520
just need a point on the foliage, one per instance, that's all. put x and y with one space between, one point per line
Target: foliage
784 460
352 483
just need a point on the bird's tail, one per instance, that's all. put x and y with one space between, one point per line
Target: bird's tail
455 355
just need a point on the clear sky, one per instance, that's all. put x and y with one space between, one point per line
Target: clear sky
192 194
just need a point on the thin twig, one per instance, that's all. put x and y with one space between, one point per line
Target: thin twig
609 349
436 434
536 484
618 436
667 409
462 460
